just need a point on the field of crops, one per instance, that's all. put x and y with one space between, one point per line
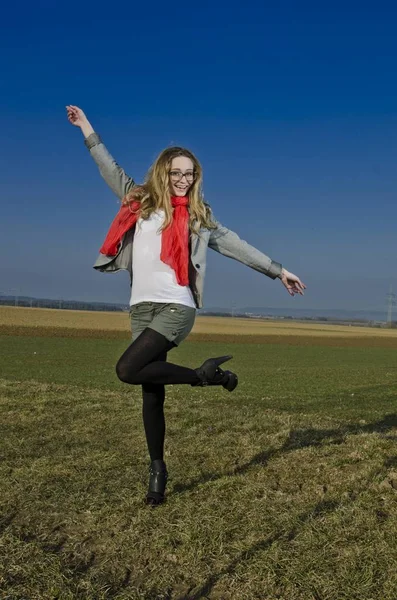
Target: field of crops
285 489
72 323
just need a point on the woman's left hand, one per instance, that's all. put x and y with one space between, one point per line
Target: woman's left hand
292 283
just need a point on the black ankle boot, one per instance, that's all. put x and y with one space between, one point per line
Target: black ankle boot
210 374
157 482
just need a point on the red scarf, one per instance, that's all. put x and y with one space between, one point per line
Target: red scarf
174 239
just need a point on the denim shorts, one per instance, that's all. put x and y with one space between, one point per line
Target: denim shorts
173 321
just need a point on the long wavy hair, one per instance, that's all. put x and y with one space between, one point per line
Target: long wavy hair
155 192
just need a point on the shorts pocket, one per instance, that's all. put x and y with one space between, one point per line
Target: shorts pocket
178 321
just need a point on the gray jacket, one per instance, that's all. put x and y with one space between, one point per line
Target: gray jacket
220 239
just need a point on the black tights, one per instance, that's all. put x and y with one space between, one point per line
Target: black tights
144 362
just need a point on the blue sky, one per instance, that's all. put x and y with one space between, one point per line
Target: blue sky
291 108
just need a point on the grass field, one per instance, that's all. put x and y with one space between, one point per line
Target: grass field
284 489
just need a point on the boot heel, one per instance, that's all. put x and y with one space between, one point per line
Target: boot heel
222 359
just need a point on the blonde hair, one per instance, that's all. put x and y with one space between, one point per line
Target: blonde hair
155 193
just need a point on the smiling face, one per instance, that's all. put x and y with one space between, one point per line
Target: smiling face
181 175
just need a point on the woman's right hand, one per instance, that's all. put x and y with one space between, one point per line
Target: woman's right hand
76 116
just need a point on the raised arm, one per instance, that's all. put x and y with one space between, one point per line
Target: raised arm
229 244
116 178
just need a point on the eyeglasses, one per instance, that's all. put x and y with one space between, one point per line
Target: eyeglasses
178 176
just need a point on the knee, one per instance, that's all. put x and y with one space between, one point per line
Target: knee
125 373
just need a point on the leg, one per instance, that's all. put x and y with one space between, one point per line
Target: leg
153 395
157 329
139 363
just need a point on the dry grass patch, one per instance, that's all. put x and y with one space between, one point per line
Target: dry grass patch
18 317
262 504
115 325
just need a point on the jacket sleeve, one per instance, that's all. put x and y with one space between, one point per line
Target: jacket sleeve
116 178
229 244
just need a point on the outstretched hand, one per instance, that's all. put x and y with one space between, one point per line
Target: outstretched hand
292 283
76 116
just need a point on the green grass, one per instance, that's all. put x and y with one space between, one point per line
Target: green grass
285 489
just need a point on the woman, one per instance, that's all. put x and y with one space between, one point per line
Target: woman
160 236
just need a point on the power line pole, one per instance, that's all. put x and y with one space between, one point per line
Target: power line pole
391 301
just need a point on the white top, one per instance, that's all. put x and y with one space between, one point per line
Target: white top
153 280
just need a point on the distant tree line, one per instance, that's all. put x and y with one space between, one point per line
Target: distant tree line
61 304
315 319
